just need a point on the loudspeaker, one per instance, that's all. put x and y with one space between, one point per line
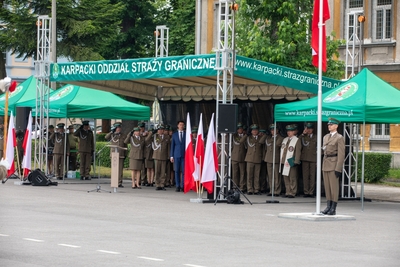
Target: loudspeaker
227 118
38 178
22 118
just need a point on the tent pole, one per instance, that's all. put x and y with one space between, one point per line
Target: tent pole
362 168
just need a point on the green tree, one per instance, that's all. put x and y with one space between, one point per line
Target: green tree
278 31
84 28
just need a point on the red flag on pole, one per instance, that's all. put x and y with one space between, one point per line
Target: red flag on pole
210 160
315 33
11 144
189 161
199 151
27 146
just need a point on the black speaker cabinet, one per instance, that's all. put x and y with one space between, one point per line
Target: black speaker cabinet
38 178
227 118
22 118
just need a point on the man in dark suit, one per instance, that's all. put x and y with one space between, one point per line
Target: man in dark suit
177 155
332 165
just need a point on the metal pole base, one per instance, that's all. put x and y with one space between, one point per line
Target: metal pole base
98 189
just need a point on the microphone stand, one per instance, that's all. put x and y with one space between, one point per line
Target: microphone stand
98 187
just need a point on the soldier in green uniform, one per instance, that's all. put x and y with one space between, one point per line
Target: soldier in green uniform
135 155
309 159
273 163
73 144
86 149
332 165
50 148
263 170
61 145
117 138
149 161
143 171
169 166
253 159
238 154
161 144
290 159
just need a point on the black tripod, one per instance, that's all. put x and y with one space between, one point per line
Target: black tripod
234 188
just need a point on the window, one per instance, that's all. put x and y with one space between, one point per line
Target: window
382 20
380 131
353 8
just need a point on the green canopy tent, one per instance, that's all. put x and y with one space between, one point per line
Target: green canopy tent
24 91
73 101
365 98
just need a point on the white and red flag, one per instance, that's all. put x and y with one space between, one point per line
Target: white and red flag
315 32
210 168
11 144
189 183
27 146
199 151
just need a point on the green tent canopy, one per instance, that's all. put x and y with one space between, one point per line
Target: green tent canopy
363 98
23 92
73 101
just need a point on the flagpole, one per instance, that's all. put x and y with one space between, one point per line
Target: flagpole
319 119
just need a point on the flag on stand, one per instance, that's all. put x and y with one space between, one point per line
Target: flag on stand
11 144
210 160
199 151
189 183
27 146
315 33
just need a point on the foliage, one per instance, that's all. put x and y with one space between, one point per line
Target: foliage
84 28
394 174
104 156
376 166
279 32
100 137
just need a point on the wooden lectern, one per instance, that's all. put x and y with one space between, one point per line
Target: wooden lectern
114 165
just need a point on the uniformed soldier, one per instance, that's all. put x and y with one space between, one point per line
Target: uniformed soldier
86 149
332 165
171 165
117 138
143 171
238 154
290 159
161 143
273 163
263 170
149 161
253 159
309 158
61 146
50 146
1 139
194 137
167 175
73 144
136 155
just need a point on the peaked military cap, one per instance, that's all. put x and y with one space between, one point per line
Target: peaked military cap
61 125
142 124
51 126
195 129
309 125
239 125
117 124
254 127
85 122
333 121
136 129
272 126
262 131
291 127
161 127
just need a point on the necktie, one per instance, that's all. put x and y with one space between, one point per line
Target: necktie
180 136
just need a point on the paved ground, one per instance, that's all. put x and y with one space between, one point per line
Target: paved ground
66 226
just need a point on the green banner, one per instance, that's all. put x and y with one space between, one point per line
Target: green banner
187 66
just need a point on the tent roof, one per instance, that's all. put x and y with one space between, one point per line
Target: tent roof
73 101
363 98
165 76
24 91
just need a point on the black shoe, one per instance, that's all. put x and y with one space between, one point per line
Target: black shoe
250 193
276 195
82 178
147 185
258 193
284 196
59 178
269 195
88 178
305 196
290 196
163 189
158 188
120 185
177 189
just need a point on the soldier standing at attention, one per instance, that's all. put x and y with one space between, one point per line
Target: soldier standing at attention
135 155
161 151
61 143
50 146
253 159
238 155
117 138
86 149
290 158
73 143
309 159
332 165
148 159
143 173
273 163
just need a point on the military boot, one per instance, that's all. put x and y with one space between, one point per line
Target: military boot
332 211
328 207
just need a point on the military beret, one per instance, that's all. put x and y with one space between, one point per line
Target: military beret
309 125
333 121
291 127
254 127
61 125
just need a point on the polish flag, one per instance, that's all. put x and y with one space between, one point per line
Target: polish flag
189 183
210 160
27 146
199 151
11 144
315 32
